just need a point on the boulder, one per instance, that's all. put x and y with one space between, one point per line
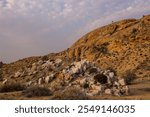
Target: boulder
108 91
40 81
126 90
111 75
49 78
82 82
34 67
17 74
29 83
96 90
47 64
116 92
58 62
40 62
122 82
5 81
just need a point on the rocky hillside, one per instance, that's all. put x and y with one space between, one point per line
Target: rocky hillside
103 61
123 46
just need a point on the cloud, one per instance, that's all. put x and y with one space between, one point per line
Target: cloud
37 27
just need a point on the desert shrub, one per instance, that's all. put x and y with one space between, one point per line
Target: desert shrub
37 91
103 48
71 93
11 87
101 78
45 58
93 70
4 97
1 64
129 77
133 31
1 74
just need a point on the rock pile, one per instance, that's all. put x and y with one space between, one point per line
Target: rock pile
83 74
93 81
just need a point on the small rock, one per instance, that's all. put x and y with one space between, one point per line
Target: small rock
127 90
108 91
17 74
40 81
29 83
58 62
5 81
116 92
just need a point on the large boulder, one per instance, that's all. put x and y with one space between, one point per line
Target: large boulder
58 62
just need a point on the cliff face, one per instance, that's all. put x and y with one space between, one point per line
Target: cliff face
123 46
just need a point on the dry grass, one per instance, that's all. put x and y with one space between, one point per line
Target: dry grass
72 93
37 92
129 77
11 87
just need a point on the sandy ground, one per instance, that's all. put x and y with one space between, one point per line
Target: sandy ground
139 91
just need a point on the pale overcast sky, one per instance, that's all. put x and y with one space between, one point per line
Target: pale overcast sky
38 27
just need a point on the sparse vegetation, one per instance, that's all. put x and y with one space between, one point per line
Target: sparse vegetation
71 93
1 74
92 70
134 30
37 92
11 87
129 77
103 49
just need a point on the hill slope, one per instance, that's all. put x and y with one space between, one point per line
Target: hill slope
122 47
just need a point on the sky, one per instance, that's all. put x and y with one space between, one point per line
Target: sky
39 27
